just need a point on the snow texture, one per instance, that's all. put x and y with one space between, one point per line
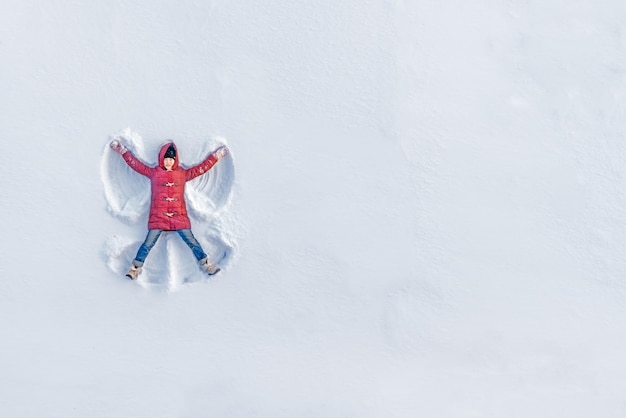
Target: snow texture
424 212
170 264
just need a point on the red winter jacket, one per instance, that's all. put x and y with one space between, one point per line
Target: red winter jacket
168 211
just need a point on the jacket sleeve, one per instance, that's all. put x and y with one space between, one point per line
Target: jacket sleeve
137 165
202 168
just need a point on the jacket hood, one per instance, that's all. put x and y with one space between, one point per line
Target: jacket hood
162 155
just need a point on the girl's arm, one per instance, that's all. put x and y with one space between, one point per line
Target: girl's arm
131 160
206 165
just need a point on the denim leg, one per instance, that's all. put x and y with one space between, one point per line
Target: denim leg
192 242
144 249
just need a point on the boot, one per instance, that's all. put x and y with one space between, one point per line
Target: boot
133 272
209 267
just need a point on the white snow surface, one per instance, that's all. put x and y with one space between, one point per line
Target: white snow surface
424 209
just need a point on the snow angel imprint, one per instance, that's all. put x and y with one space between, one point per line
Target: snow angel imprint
168 209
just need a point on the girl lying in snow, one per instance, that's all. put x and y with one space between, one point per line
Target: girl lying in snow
168 211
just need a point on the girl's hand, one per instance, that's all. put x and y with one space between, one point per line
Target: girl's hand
220 152
117 147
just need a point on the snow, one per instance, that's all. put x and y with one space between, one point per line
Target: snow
423 209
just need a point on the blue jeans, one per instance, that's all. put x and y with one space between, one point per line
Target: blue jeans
153 236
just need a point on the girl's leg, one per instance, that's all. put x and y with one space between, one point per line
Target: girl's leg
144 249
193 243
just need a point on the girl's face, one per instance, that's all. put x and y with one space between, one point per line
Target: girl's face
168 163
